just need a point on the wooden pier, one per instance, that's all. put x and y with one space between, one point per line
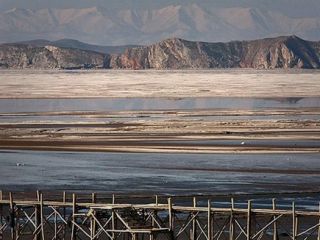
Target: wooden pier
70 217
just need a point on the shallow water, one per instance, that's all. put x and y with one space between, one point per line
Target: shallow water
125 104
157 173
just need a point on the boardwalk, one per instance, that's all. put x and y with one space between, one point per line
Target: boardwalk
72 218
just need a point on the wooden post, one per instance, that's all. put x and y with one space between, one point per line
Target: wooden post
38 195
64 199
152 219
37 219
12 216
93 197
294 230
231 223
92 220
39 215
209 220
1 214
212 224
170 214
92 228
194 221
113 217
318 238
113 223
74 210
55 226
249 221
275 227
42 216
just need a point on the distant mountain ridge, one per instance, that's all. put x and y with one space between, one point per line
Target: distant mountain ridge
72 43
174 53
193 21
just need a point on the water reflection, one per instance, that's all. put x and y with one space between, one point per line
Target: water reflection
123 104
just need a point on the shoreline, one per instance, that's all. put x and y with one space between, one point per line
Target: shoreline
166 149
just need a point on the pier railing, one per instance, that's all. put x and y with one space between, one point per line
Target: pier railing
69 218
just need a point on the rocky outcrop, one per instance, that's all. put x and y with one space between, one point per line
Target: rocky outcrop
281 52
20 56
175 53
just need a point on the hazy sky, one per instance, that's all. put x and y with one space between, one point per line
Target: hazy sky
290 7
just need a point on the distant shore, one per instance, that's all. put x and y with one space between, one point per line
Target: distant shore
164 84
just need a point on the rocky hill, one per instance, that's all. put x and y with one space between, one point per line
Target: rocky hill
281 52
19 56
175 53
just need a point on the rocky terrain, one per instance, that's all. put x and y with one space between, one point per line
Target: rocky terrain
281 52
174 53
20 56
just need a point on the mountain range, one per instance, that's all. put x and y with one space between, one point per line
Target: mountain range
193 21
174 53
75 44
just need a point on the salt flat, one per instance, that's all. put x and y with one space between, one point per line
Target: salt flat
184 83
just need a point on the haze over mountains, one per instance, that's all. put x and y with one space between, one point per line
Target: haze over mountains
146 22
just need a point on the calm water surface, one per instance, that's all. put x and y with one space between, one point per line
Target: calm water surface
158 173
